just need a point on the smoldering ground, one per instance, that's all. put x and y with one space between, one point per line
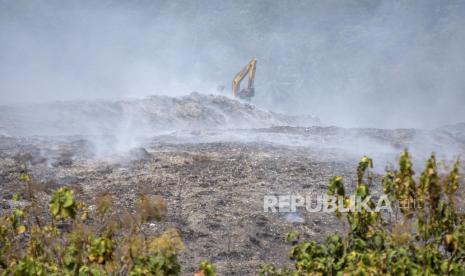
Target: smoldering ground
115 127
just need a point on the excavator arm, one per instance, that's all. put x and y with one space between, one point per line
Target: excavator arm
248 93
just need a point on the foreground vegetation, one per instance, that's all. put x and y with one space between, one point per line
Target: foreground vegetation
67 237
72 239
425 238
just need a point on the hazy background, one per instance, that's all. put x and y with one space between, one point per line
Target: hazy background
352 63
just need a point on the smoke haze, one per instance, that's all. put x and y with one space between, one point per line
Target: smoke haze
351 63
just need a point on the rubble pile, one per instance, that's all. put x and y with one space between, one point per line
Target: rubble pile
139 116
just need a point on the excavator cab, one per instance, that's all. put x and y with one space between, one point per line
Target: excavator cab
249 92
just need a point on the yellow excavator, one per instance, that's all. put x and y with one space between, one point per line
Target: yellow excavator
248 92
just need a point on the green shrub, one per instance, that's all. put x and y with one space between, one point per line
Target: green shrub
427 239
205 269
75 241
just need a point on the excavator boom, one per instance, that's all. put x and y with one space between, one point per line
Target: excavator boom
249 92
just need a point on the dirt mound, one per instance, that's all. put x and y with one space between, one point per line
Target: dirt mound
136 116
456 130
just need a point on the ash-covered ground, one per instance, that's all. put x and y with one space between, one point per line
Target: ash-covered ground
212 159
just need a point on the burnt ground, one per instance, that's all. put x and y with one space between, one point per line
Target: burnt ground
214 190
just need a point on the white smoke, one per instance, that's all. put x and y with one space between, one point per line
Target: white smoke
351 63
